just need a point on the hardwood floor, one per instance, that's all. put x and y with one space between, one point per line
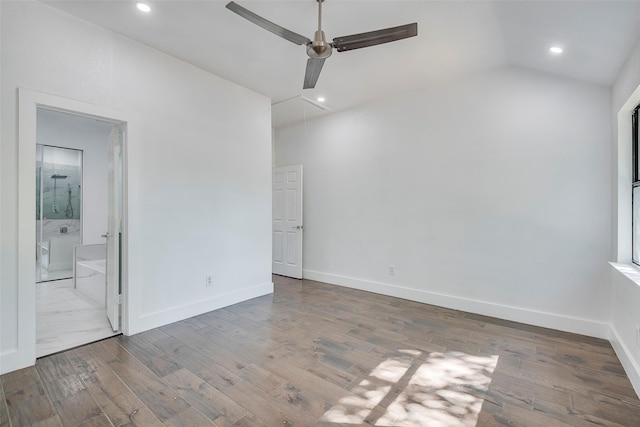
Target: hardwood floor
316 354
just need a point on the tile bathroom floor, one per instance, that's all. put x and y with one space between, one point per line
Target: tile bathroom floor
46 275
65 318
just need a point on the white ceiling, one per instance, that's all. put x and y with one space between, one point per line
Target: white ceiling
454 37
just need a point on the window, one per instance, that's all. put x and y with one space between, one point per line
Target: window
635 195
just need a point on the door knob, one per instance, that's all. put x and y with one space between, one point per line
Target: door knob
298 227
105 235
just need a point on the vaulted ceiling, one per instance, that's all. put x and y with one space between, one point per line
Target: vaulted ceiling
454 37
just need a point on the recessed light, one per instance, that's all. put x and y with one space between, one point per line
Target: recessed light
321 99
555 49
143 7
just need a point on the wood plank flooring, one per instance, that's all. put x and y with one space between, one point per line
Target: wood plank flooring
316 354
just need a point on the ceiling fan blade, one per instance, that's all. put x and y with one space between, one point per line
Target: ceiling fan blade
268 25
372 38
314 66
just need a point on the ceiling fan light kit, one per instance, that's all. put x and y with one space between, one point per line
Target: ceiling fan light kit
318 49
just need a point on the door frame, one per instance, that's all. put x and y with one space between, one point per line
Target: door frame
28 103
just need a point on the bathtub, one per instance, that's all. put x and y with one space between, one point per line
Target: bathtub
60 249
89 272
98 265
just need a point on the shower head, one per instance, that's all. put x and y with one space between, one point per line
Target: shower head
58 176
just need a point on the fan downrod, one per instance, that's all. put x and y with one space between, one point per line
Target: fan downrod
319 48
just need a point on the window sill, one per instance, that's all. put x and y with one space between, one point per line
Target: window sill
630 271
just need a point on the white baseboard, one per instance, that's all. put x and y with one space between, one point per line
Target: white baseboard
628 363
174 314
12 360
516 314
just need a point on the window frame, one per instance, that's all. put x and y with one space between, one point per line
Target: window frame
635 177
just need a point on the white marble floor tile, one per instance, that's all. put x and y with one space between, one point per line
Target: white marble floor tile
65 318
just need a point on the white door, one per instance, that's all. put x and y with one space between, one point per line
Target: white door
287 221
114 234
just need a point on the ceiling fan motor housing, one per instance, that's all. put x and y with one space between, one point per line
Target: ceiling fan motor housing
319 48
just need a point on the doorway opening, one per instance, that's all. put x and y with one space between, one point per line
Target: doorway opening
29 103
79 204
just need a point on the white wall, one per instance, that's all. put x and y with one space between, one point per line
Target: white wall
625 281
625 318
4 246
200 165
92 137
489 194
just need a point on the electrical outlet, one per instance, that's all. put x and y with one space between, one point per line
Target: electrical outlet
392 270
208 281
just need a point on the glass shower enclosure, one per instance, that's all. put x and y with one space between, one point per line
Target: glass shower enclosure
58 210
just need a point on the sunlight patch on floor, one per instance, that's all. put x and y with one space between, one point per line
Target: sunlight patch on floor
416 389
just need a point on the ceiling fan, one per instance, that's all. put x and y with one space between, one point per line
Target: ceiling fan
318 49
